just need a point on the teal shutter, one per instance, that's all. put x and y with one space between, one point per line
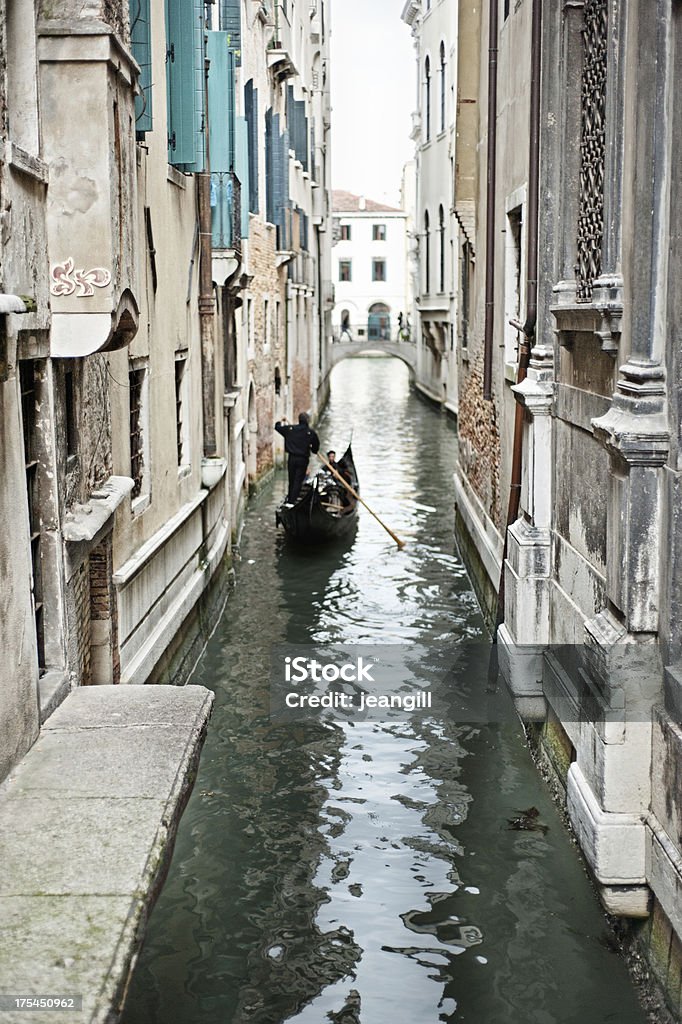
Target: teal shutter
231 23
185 83
241 166
141 45
221 120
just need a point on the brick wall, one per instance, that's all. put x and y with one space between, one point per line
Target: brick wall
479 439
269 283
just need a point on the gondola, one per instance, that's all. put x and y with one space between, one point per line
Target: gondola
325 510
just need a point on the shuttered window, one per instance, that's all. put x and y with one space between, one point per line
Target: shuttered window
185 83
297 124
241 166
231 23
141 45
278 205
251 111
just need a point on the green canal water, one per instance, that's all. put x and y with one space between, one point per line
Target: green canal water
364 872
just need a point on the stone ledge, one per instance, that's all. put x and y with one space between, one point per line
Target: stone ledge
87 825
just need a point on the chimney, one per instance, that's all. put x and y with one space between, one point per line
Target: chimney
361 203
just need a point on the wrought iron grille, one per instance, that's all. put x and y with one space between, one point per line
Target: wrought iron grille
592 147
136 382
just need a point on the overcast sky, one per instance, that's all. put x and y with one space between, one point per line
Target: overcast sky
373 94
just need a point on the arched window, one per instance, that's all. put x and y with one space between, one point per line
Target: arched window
442 86
427 98
427 254
441 249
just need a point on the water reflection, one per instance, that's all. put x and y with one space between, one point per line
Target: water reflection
364 871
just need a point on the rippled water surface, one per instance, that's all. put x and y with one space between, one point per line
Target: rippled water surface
364 873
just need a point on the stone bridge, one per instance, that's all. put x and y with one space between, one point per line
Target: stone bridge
404 350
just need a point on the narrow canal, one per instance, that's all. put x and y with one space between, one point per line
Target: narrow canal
364 872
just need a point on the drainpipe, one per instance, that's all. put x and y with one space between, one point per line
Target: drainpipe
528 328
206 296
490 203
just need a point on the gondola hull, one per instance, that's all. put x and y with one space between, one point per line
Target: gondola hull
314 519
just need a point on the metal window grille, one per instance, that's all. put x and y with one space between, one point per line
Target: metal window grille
592 147
136 383
180 364
29 384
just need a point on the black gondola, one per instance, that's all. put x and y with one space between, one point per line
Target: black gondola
325 509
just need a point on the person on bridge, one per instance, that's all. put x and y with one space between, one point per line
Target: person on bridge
299 441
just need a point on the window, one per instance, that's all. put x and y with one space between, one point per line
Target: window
442 87
345 232
513 284
251 112
139 450
466 270
180 408
70 415
248 324
266 324
278 381
427 253
345 270
427 99
29 380
379 233
378 270
441 249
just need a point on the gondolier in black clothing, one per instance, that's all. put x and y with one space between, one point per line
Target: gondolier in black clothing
299 442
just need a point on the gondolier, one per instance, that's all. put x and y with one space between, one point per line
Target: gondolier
299 442
323 511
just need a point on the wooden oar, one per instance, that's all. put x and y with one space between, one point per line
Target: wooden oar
399 542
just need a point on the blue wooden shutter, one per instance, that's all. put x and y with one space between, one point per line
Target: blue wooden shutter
141 45
231 23
221 118
185 83
251 110
241 166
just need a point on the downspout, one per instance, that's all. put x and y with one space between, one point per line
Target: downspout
206 296
490 203
528 328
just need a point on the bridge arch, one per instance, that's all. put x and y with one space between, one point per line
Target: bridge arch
405 351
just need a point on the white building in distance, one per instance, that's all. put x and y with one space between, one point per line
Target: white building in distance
369 268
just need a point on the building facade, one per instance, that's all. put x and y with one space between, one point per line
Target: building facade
165 295
370 261
434 29
568 477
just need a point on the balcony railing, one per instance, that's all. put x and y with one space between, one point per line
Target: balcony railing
226 204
